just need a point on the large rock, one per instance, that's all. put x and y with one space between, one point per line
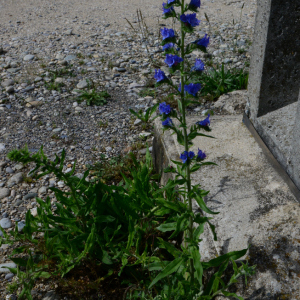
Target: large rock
15 179
5 223
4 192
70 57
7 83
233 102
28 57
82 84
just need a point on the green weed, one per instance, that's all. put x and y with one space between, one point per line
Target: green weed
147 92
110 170
80 55
121 242
93 97
145 117
216 82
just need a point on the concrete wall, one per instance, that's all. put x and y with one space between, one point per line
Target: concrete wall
275 59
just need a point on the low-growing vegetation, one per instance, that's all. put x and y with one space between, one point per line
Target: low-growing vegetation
109 242
92 97
218 81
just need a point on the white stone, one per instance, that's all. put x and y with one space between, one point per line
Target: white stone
28 57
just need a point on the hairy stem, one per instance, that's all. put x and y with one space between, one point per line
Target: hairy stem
186 146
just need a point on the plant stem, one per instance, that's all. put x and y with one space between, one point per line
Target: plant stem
186 146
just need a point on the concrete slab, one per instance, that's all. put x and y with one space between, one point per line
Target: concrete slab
277 131
256 205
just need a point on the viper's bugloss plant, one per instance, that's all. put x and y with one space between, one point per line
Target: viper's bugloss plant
187 262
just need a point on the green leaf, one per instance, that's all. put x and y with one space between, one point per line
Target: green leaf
169 247
61 220
12 270
179 103
167 227
157 266
104 219
195 168
181 224
131 233
169 269
228 294
219 260
203 206
197 263
19 261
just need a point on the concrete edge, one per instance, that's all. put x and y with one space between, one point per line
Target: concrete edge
271 156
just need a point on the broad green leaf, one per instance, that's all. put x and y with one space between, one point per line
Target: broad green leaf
203 206
169 269
19 261
197 263
215 262
228 294
104 219
181 224
169 247
12 270
167 227
157 265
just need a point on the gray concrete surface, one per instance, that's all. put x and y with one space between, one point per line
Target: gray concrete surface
275 58
255 204
295 151
277 131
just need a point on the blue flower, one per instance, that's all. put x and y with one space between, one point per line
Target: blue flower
171 1
201 155
179 88
167 10
194 4
173 60
199 65
167 122
205 122
167 33
159 75
193 88
186 155
164 108
168 46
203 42
190 20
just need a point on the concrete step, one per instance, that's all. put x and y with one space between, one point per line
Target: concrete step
256 205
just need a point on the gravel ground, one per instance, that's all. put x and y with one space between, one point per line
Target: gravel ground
96 48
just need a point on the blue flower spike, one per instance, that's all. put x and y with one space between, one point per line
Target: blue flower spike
189 20
185 156
160 75
173 60
205 122
167 11
199 66
203 42
193 88
201 155
164 108
168 46
194 4
167 122
167 33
